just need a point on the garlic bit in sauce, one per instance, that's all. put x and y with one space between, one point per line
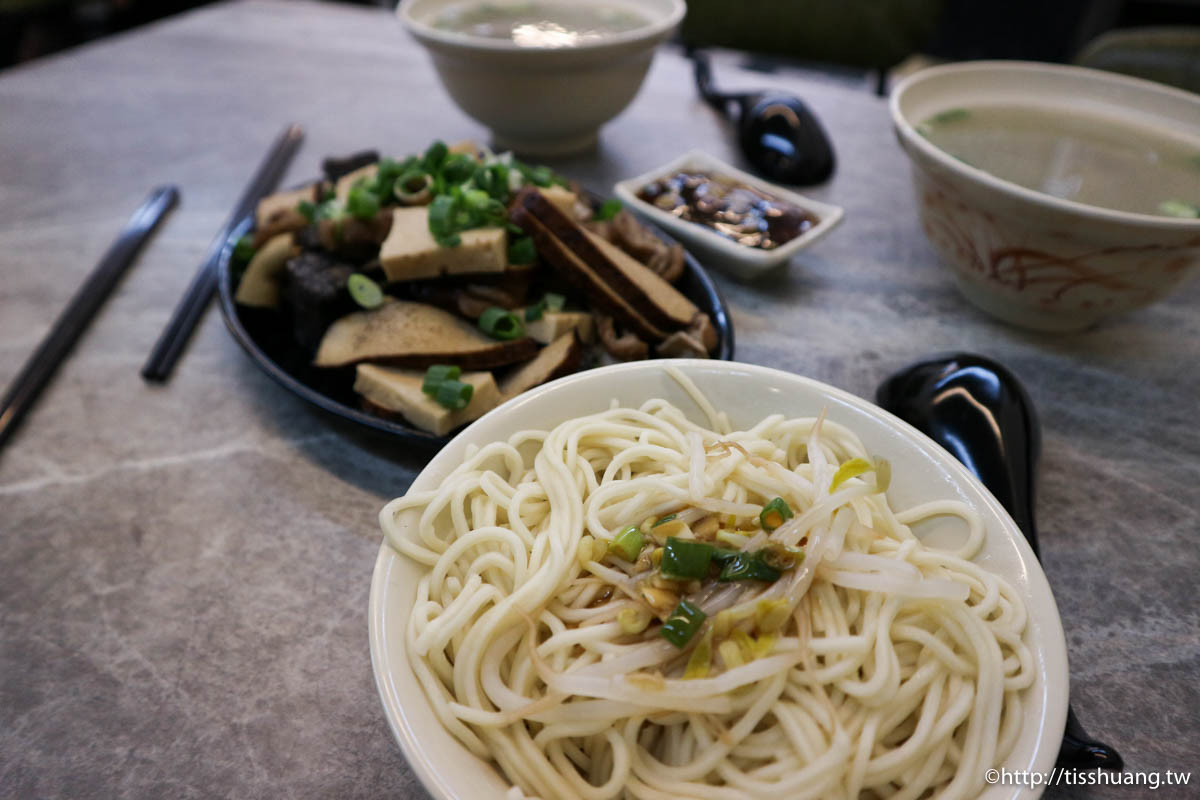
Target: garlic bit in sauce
734 210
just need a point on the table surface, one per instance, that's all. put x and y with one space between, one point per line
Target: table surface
184 569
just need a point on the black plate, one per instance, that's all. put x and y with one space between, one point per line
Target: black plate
271 347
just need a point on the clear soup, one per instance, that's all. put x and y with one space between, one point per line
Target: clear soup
540 23
1100 161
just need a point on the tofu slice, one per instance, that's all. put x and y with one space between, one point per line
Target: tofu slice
554 324
562 197
410 252
273 205
262 281
559 358
399 391
344 183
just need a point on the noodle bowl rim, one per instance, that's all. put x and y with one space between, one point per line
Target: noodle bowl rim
449 771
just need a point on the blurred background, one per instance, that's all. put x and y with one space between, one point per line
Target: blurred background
872 41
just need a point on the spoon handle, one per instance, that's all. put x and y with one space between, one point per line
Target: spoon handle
980 412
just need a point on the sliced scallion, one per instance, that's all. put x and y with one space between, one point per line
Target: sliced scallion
437 375
454 395
684 623
243 250
361 203
749 567
628 543
774 514
500 323
609 209
534 312
684 559
522 251
555 302
364 291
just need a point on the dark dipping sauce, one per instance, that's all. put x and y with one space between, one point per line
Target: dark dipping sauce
734 210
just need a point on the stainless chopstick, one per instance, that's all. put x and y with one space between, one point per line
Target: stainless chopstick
74 319
195 300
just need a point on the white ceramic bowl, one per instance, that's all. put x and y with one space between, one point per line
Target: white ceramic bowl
544 101
708 245
921 471
1029 258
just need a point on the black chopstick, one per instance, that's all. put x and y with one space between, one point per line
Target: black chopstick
74 319
175 336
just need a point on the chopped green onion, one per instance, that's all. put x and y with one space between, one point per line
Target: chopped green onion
685 621
538 176
243 250
667 518
364 291
723 556
684 559
749 567
501 324
609 209
387 172
850 469
628 543
522 251
362 203
458 167
437 375
555 302
435 156
307 210
1178 208
441 221
774 514
534 312
411 185
454 395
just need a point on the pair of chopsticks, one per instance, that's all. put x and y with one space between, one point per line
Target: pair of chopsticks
70 325
74 319
195 300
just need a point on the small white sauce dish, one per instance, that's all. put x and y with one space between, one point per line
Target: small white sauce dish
712 248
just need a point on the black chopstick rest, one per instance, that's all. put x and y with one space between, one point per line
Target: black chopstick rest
74 319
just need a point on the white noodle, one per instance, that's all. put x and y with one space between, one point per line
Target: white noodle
899 672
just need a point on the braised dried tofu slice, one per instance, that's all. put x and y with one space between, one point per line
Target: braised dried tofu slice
562 197
660 303
273 205
553 324
410 252
599 293
560 357
399 391
262 281
407 334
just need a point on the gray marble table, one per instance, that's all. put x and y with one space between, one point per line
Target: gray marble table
184 569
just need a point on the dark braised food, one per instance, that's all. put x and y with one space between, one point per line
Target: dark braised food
447 282
734 210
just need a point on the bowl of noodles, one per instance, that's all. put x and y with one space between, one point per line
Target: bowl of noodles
710 580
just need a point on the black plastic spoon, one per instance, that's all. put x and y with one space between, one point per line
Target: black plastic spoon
777 132
980 412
